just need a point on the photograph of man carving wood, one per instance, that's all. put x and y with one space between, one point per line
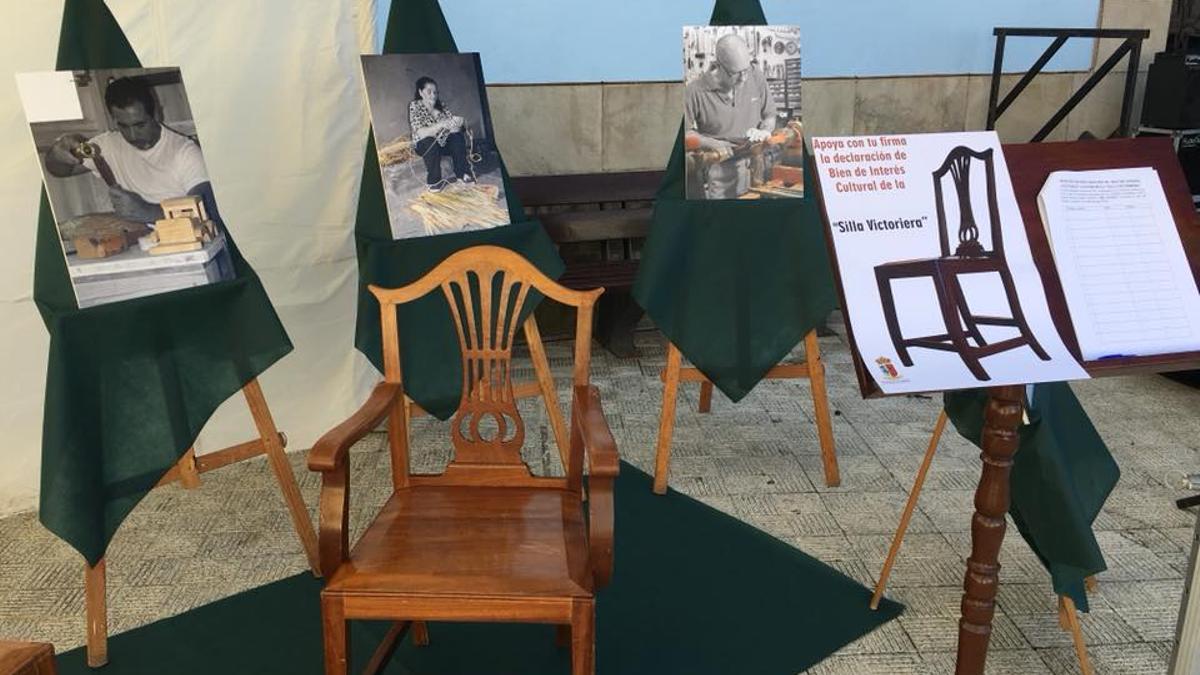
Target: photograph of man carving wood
743 132
127 181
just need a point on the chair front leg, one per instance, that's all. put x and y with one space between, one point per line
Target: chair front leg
888 301
336 634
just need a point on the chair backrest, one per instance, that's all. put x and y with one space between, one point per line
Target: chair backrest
486 288
958 165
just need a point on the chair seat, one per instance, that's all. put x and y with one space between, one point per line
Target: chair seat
926 266
479 541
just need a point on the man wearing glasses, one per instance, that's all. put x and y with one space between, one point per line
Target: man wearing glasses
727 107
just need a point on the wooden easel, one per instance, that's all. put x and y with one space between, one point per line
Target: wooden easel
1068 617
187 471
674 373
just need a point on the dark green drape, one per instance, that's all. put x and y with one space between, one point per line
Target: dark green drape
735 284
1061 476
130 384
680 569
428 342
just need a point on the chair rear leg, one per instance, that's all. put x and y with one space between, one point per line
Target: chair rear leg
888 301
1014 303
387 647
969 319
583 638
420 633
336 633
949 293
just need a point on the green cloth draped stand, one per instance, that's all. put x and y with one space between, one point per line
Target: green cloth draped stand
428 341
1061 476
734 284
130 384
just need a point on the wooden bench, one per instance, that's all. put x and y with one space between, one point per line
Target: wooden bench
598 221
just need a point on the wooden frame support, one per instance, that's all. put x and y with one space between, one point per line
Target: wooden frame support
913 495
812 368
1067 616
271 442
1069 620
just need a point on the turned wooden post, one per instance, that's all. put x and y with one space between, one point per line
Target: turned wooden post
1000 422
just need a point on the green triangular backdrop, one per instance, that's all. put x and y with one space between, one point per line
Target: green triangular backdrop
130 384
428 342
734 284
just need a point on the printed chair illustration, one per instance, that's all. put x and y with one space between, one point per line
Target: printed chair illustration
484 541
962 334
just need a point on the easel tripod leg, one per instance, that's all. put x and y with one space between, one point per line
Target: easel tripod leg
666 419
816 380
913 496
96 603
189 475
706 392
283 471
1070 622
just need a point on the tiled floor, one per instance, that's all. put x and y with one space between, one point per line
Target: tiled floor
758 460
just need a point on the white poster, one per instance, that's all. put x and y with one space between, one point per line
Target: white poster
940 287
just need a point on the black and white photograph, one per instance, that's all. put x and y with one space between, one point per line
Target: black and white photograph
743 131
437 152
126 180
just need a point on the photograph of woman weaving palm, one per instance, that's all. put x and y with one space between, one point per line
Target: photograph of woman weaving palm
437 153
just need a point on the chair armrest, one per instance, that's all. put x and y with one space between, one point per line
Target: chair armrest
330 449
328 456
598 442
603 466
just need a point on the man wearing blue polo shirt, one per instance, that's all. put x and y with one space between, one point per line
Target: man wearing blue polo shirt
724 108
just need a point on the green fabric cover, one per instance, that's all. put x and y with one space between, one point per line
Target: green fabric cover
428 343
130 384
1061 476
735 284
694 592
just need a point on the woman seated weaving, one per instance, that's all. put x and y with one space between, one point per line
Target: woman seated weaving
436 133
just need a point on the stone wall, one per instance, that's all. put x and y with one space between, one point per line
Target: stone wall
595 127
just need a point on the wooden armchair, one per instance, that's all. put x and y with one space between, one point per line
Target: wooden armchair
486 540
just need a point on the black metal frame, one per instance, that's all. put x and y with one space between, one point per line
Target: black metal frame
1132 46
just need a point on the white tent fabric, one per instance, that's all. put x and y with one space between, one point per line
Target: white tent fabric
276 91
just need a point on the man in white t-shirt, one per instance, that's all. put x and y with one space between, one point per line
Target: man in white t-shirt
149 162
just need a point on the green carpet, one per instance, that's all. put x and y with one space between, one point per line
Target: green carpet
694 591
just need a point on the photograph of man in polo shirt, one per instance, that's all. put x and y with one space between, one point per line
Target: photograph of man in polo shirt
730 108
